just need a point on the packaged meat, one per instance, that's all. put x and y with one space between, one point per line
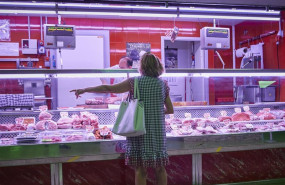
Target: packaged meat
75 137
3 127
31 127
90 136
103 133
265 114
224 117
64 121
44 115
189 121
7 141
279 114
46 125
241 116
27 137
89 119
94 101
18 127
64 126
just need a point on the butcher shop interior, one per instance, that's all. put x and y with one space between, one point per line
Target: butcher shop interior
224 63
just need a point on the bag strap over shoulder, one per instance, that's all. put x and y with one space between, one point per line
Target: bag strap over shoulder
136 89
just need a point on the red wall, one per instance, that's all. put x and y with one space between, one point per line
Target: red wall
123 31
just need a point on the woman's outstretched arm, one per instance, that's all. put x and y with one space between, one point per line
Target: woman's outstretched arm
116 88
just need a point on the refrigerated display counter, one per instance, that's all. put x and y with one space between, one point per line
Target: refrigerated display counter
195 133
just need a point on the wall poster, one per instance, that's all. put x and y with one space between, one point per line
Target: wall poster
134 50
9 49
4 30
171 58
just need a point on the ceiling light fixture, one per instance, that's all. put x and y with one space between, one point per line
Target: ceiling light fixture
248 11
27 12
117 14
230 17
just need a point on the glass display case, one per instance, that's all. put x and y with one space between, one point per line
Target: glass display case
214 110
206 102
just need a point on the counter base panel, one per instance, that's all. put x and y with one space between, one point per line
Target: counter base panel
26 175
217 168
243 166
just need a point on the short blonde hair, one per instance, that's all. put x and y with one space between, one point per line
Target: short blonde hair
150 65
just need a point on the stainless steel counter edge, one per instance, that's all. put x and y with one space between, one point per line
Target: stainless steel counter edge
107 150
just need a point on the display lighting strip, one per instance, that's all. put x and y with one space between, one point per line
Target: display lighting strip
94 75
118 14
27 12
27 4
248 11
238 74
164 74
116 6
230 17
18 76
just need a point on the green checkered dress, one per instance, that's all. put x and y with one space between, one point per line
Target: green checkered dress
149 150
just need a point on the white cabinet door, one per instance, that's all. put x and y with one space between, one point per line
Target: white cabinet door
88 54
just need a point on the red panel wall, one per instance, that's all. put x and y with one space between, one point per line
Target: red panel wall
121 32
248 30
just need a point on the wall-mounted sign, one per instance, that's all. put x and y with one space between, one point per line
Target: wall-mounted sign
9 49
134 50
5 30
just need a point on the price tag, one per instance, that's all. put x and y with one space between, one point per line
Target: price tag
246 108
43 108
207 115
187 115
266 109
29 120
63 114
19 120
238 110
224 113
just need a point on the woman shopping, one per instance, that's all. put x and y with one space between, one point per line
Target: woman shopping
148 150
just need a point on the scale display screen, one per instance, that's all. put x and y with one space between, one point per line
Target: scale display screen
59 31
59 36
218 33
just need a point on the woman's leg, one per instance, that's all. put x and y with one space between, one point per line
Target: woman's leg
140 175
161 175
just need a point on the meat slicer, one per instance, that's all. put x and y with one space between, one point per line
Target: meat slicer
249 91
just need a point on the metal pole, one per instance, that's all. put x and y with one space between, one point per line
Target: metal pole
29 27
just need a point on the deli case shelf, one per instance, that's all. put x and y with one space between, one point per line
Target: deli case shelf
191 130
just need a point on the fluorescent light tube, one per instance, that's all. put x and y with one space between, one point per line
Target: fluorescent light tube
193 9
116 6
9 76
27 4
115 14
174 75
237 74
230 17
94 75
164 74
27 12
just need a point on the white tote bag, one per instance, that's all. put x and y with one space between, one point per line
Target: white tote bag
130 119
